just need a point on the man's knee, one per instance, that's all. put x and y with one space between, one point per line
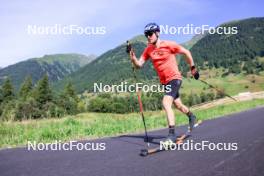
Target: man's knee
178 105
181 107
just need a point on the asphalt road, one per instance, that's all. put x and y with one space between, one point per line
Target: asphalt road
121 154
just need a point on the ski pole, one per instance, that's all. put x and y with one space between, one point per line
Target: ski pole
217 89
128 49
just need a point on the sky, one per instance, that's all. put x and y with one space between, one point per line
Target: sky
119 21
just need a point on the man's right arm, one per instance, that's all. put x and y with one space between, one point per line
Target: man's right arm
138 63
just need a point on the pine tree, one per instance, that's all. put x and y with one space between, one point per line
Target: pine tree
26 88
42 92
70 92
7 90
68 100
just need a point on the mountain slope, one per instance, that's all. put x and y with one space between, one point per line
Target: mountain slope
226 50
55 66
189 44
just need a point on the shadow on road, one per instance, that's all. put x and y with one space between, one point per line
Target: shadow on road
152 139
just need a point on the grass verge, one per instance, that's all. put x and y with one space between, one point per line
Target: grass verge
93 125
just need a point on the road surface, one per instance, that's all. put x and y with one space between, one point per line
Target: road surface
121 154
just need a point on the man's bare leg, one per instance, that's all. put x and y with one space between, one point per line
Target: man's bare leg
167 103
181 107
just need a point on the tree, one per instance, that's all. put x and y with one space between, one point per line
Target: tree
99 104
118 108
69 105
70 92
26 88
235 69
68 100
7 90
26 109
42 92
8 110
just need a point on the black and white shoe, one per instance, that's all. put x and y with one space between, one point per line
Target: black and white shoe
170 140
192 121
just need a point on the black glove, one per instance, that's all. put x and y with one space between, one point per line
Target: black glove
195 73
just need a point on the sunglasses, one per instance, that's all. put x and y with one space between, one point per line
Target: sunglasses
150 33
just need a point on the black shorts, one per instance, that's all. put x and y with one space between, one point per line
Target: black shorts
175 86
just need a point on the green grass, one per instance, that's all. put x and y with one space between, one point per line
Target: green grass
92 125
232 84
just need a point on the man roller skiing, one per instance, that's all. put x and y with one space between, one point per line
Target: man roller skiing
162 54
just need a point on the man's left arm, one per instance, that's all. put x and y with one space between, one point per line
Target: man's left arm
189 59
188 55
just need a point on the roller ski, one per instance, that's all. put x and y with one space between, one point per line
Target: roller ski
171 142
